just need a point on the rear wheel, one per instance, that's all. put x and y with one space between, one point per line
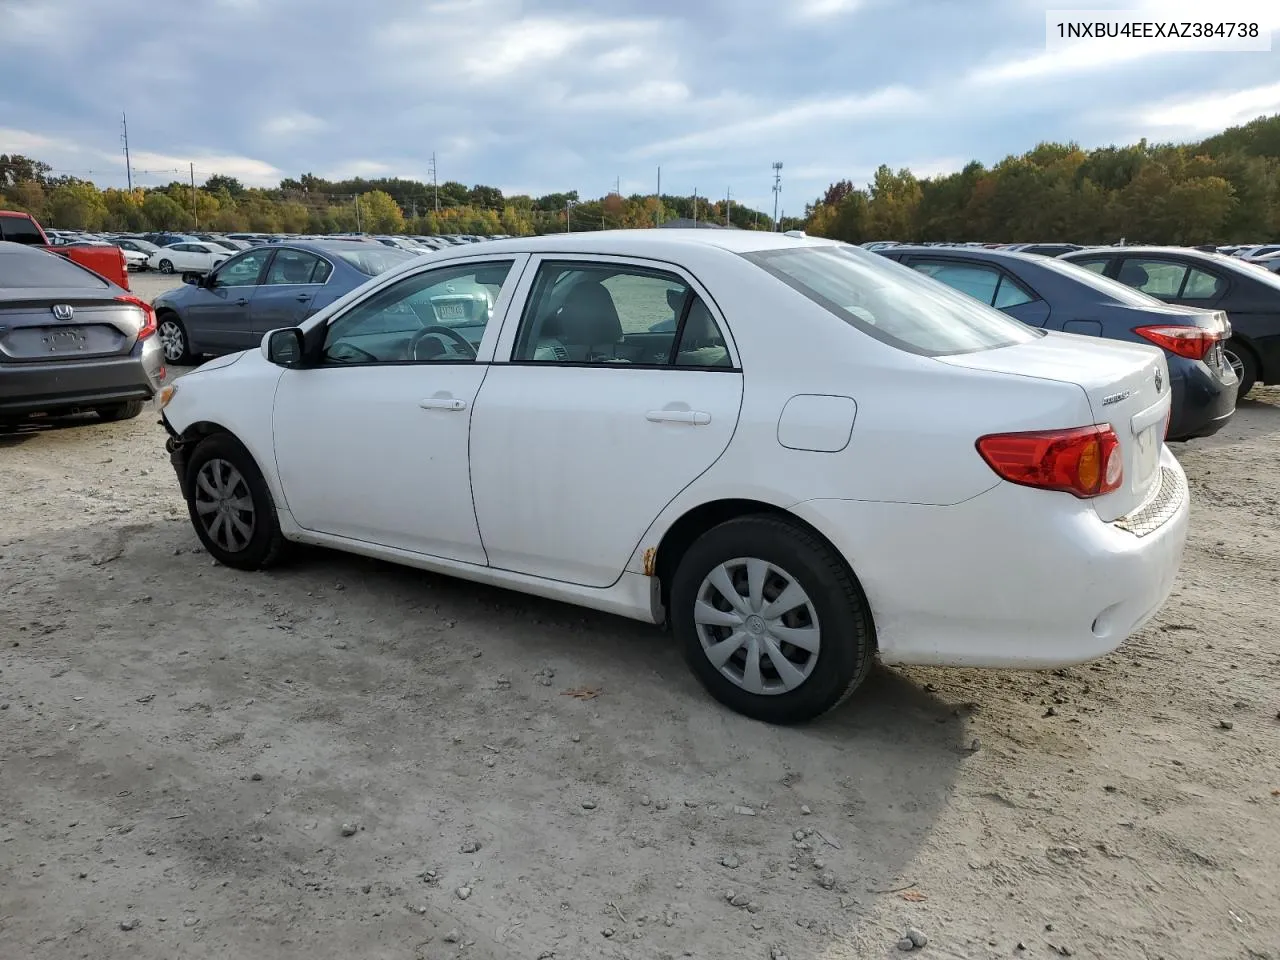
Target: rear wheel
173 339
1244 364
166 266
121 411
231 506
771 620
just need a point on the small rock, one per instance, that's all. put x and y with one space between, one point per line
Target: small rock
739 900
730 861
776 953
660 804
340 645
918 939
607 932
577 738
467 846
645 801
757 925
1225 724
1051 712
798 835
819 864
257 838
1020 946
975 746
367 888
490 762
744 811
588 804
348 830
826 880
804 809
463 892
691 804
256 776
905 945
129 924
453 936
190 921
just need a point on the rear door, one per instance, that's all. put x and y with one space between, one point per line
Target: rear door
287 293
596 413
217 314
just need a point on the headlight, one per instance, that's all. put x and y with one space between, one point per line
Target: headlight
166 394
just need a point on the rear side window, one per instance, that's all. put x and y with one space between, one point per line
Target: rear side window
20 230
34 269
890 302
1201 286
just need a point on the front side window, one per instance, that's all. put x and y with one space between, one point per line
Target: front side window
892 303
581 313
241 271
436 316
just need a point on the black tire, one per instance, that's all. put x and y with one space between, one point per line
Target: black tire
183 354
166 266
121 411
847 648
265 543
1241 357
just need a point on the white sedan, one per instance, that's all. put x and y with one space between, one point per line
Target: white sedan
188 257
796 453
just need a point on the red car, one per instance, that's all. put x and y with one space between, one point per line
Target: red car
108 262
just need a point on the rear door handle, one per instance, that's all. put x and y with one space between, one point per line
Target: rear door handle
695 417
304 296
442 403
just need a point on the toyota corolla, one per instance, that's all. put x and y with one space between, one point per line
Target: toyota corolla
797 454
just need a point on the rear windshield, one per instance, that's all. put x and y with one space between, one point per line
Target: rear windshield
892 303
20 230
372 261
33 269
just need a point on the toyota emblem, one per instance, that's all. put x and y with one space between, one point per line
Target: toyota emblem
1159 381
62 311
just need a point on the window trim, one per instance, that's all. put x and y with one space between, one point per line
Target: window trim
314 334
524 294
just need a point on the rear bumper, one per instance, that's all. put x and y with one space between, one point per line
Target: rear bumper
1202 403
67 386
1015 577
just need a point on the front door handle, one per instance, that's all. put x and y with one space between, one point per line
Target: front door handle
242 302
442 403
695 417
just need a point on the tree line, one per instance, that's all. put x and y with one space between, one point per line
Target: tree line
311 204
1223 189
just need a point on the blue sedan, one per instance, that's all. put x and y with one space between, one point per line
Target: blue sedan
1055 295
261 289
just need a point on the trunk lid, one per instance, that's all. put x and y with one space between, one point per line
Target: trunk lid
1127 385
97 327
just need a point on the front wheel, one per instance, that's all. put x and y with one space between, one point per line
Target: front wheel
173 340
166 266
771 619
230 505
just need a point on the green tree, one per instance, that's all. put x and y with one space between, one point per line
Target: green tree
379 213
164 213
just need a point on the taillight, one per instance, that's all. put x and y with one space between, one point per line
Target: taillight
1190 342
148 311
1083 461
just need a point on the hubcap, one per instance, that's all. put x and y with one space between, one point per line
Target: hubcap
171 341
224 505
757 626
1236 363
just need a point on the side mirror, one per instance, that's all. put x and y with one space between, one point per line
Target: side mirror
192 278
284 347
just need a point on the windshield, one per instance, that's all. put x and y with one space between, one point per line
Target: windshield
892 303
372 261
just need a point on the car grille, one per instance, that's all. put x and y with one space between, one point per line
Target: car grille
1157 511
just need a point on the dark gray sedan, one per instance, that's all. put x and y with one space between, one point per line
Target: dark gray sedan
266 287
71 341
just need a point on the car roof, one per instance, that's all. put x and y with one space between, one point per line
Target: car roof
970 253
1189 253
654 243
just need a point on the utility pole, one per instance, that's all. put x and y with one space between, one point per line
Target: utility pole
359 228
195 215
777 189
435 188
658 214
128 168
728 202
568 206
695 206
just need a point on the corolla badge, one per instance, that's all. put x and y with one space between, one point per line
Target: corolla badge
1116 398
62 311
1159 380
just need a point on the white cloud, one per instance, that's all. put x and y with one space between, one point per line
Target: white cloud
357 168
531 41
165 166
292 124
804 115
824 9
1211 112
28 143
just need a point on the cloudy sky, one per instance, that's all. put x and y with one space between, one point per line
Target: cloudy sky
546 95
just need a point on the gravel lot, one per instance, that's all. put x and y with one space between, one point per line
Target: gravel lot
342 758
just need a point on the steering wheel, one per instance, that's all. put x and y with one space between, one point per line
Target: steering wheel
436 330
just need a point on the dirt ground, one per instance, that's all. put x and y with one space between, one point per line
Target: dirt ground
183 749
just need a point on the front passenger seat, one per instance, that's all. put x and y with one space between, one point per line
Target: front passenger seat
588 320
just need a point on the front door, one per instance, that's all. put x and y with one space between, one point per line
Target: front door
218 313
288 293
371 441
604 410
